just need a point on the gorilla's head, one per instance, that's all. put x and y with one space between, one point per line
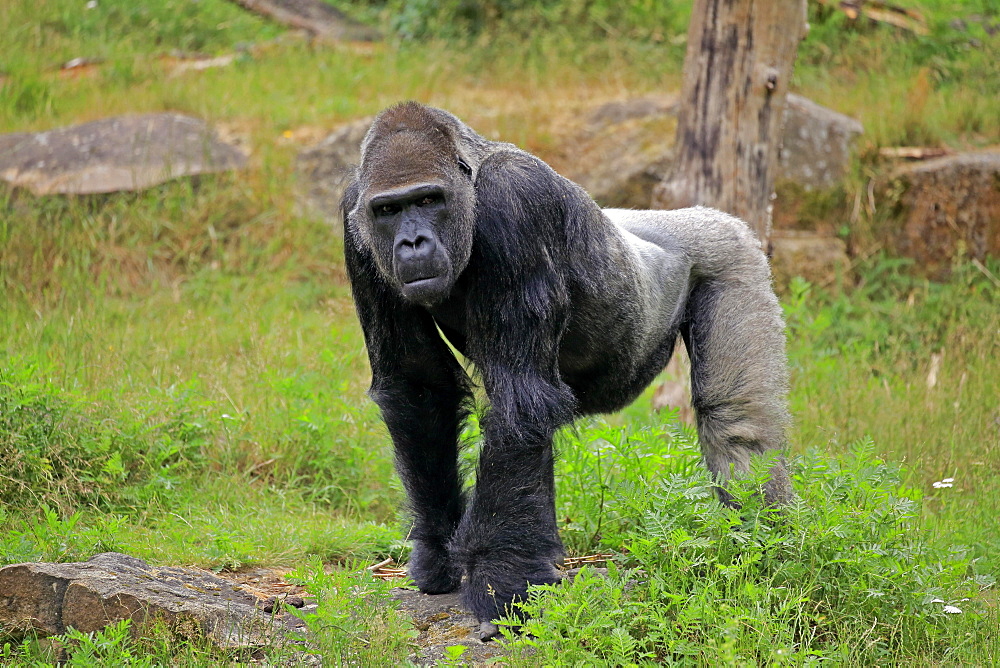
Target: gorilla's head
416 206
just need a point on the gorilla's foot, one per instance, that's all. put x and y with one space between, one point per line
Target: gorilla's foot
433 569
488 631
493 590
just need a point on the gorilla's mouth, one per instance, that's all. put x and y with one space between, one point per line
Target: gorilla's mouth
417 282
421 279
426 289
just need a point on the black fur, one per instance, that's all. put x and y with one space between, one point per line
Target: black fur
562 310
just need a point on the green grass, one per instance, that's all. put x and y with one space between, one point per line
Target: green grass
182 377
844 575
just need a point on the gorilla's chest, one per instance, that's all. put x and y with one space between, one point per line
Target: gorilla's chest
451 317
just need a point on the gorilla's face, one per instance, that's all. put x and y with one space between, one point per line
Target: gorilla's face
407 220
417 212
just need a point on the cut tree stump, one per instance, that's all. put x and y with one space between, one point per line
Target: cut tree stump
736 74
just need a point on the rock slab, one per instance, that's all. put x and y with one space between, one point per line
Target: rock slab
49 598
946 208
819 259
442 623
129 152
815 144
324 169
626 148
618 152
623 151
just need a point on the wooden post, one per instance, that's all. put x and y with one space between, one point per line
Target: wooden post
736 74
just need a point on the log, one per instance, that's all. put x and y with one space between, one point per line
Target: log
322 21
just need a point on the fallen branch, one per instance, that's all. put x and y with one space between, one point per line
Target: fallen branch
589 560
375 567
881 12
913 152
319 19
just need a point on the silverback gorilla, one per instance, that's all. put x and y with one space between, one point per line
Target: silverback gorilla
564 309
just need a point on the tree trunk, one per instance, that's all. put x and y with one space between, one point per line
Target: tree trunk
736 74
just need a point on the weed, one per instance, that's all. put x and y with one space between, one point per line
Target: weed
53 453
843 574
52 538
118 643
356 621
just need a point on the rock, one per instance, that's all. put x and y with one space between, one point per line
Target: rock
122 153
49 598
626 148
623 151
322 170
943 209
815 144
443 622
618 152
817 258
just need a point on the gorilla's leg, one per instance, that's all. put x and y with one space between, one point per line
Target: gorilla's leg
425 426
734 333
508 538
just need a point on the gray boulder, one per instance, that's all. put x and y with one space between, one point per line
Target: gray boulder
130 152
442 622
48 599
618 152
819 259
623 151
815 144
626 148
322 170
944 208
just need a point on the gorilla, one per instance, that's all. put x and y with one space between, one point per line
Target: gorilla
564 309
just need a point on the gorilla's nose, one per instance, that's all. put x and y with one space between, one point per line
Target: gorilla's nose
415 248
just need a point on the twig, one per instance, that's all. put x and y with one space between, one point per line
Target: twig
913 152
986 272
375 567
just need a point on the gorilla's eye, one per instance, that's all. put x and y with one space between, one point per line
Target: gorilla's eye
387 210
428 200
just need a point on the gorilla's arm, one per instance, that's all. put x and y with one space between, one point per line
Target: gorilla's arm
508 537
424 395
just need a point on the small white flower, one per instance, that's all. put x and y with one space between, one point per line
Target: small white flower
952 610
947 480
937 600
92 4
943 483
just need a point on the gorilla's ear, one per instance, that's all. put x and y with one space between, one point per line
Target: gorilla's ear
349 200
355 228
463 165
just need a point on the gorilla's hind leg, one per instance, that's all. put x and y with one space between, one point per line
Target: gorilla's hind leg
734 332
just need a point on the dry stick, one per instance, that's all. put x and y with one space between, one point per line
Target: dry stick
375 567
986 272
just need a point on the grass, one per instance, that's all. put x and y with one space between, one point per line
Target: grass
182 377
698 583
